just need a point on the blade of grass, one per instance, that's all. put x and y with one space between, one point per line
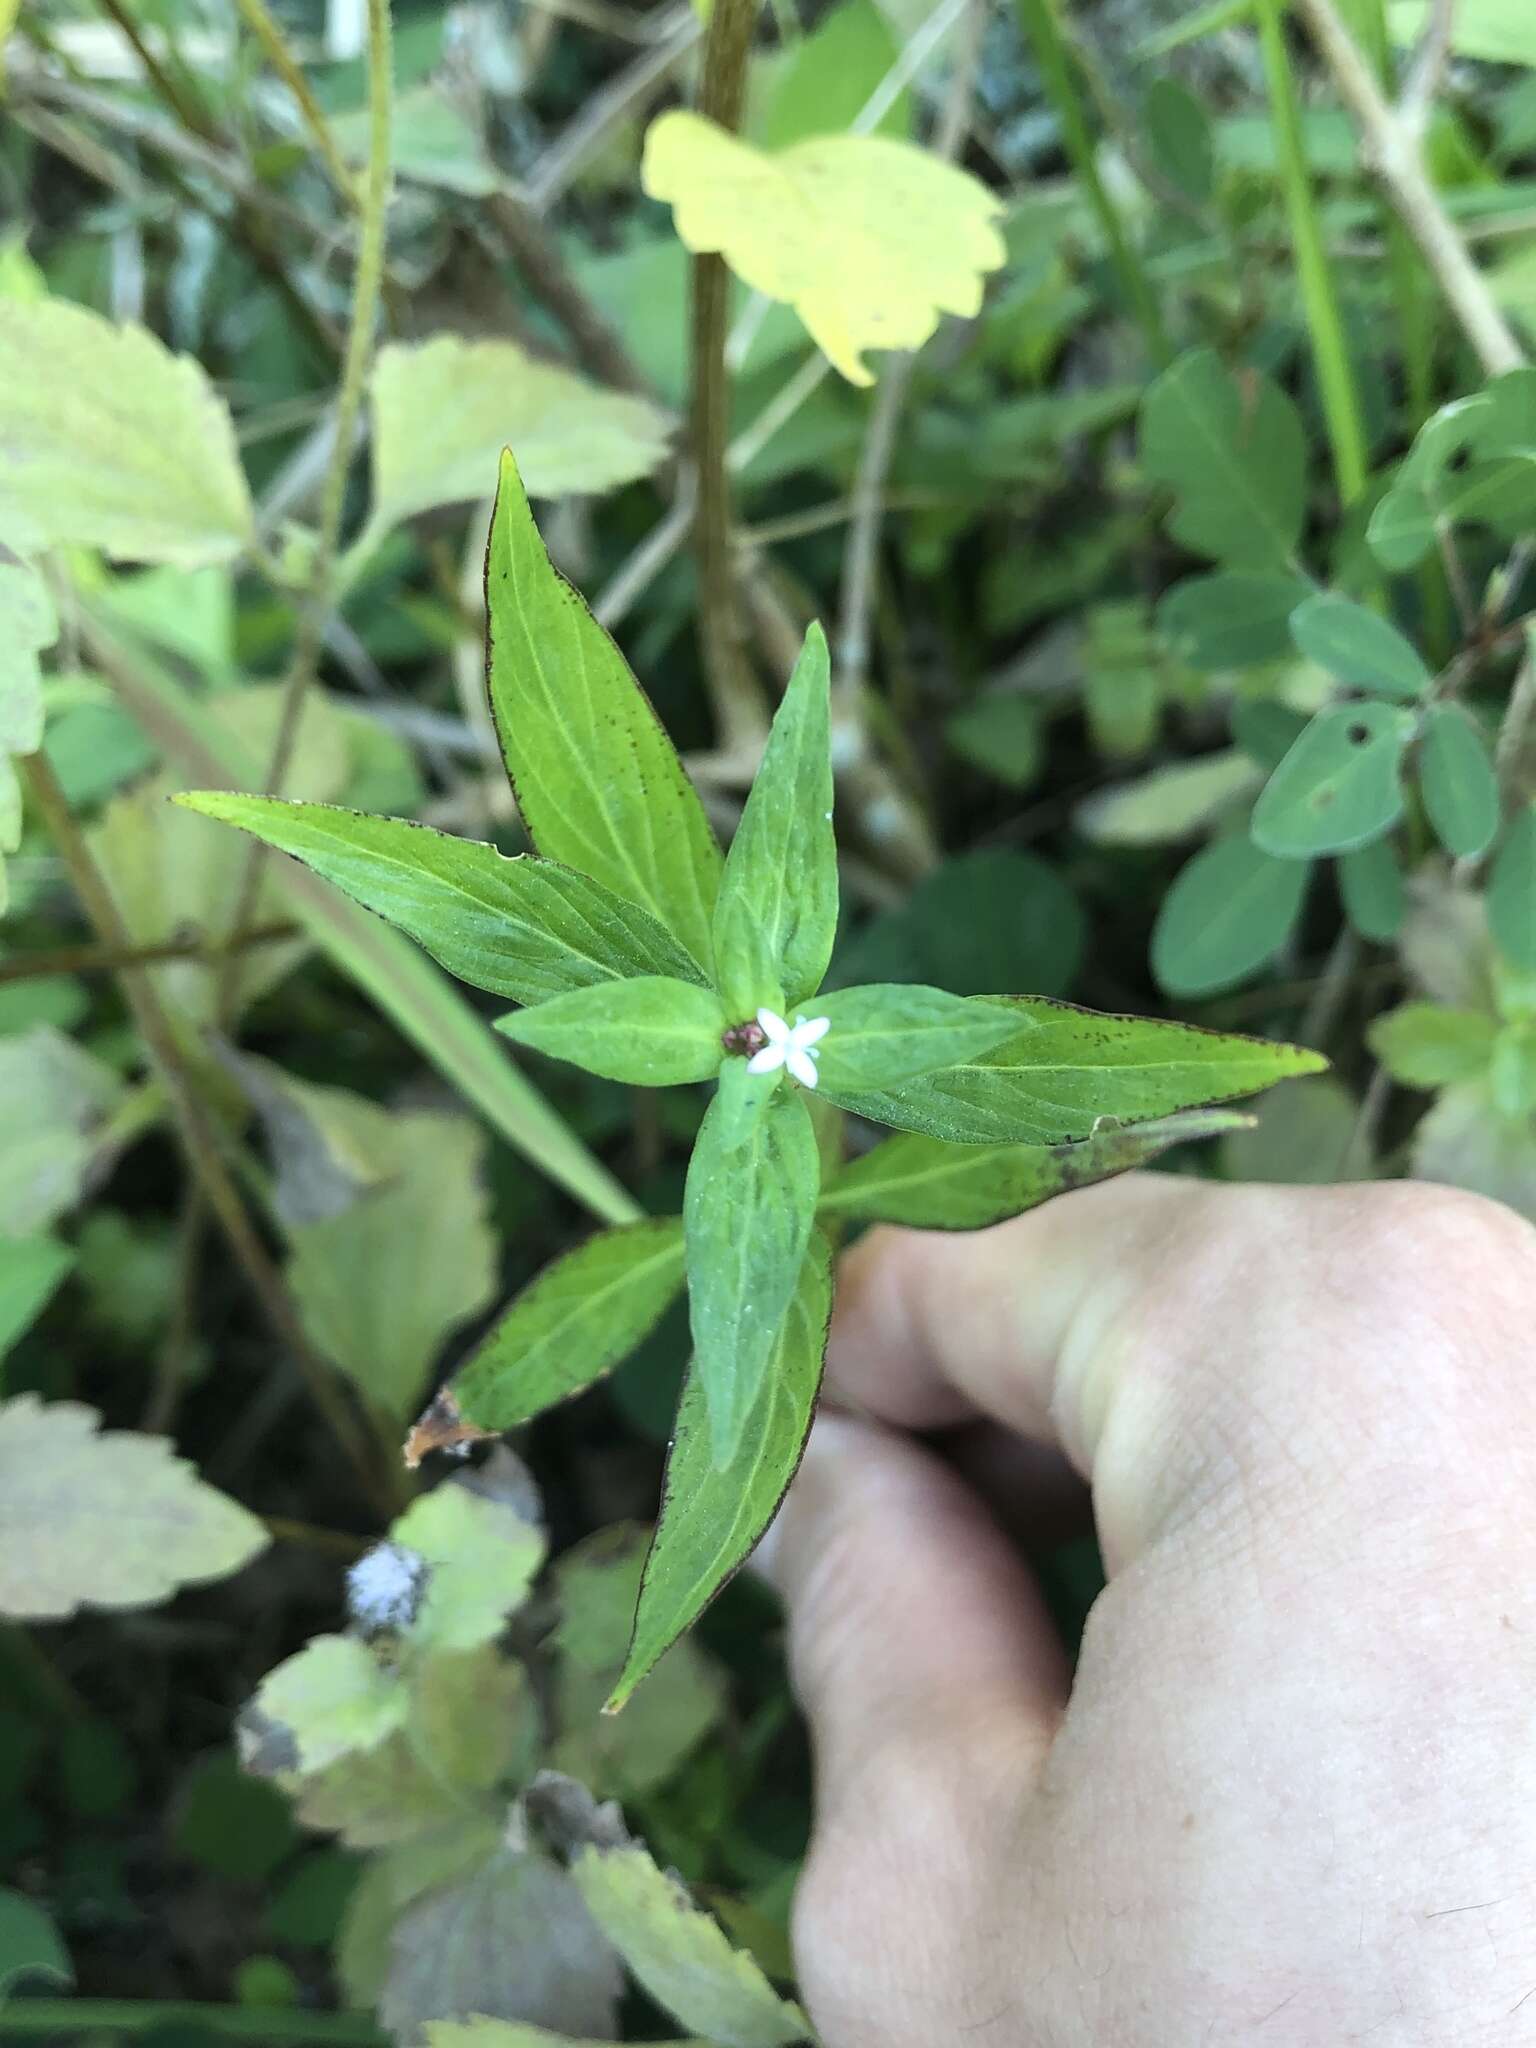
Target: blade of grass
1330 354
413 992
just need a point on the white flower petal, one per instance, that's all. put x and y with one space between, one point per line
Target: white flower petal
773 1024
809 1029
765 1062
801 1065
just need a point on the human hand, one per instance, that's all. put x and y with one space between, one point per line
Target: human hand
1291 1798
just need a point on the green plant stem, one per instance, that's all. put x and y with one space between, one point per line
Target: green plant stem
315 606
740 716
264 27
102 960
1041 22
1330 352
192 115
199 1139
265 2024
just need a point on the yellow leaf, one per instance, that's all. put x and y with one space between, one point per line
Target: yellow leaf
870 240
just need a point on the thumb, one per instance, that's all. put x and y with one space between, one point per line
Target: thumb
918 1641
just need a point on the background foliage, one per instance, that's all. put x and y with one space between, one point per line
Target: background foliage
1139 395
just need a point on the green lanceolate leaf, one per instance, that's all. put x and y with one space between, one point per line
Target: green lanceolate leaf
1457 782
777 914
1371 885
1428 1045
1233 452
1339 787
739 1102
713 1516
747 1212
525 928
571 1326
1358 647
1067 1068
1512 894
1229 912
930 1185
596 777
1231 619
890 1031
680 1954
653 1031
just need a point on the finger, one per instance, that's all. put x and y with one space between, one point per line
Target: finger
1176 1338
917 1638
934 1328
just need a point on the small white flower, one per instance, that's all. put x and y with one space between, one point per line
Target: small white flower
790 1045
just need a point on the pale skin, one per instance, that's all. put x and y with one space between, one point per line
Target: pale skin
1289 1796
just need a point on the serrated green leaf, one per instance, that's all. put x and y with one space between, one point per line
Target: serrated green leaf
712 1517
1066 1068
927 1184
382 1281
776 916
1358 647
1233 452
473 1716
680 1954
1232 618
523 928
1371 885
332 1699
1229 912
1428 1045
444 409
115 1520
747 1210
1512 894
597 780
887 1032
29 1945
1340 785
31 1268
483 1553
1457 782
653 1031
112 442
376 1798
573 1324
